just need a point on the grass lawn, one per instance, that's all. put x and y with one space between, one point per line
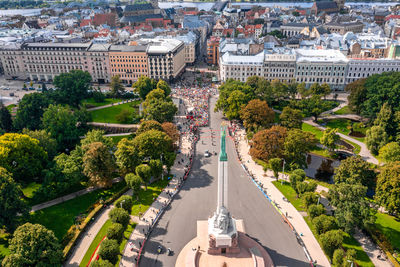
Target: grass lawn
390 227
91 103
321 152
4 251
108 115
362 258
309 128
61 217
95 243
342 126
343 110
290 194
146 197
30 189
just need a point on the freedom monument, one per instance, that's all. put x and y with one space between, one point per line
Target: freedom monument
221 240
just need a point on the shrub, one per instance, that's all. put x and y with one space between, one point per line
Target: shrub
310 198
311 186
315 210
330 241
98 96
338 257
101 263
115 231
118 215
124 116
109 250
126 202
325 223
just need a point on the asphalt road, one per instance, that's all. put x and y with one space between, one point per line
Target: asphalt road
198 199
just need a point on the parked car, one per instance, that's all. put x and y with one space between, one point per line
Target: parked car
31 88
11 94
207 154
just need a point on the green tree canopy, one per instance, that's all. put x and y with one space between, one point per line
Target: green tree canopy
276 165
48 143
11 203
144 171
116 87
164 86
390 152
134 182
376 138
127 156
330 138
357 94
296 146
33 245
291 118
354 170
144 85
149 125
22 156
30 111
97 136
61 123
330 241
109 250
152 144
6 123
387 188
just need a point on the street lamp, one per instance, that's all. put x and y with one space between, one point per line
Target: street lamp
283 170
351 263
162 167
123 201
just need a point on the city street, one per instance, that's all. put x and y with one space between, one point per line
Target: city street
197 201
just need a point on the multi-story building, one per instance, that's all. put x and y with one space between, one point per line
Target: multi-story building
280 65
99 63
363 68
166 58
213 50
321 66
343 27
241 67
128 62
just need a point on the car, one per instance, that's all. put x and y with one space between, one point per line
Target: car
11 94
31 88
6 88
207 154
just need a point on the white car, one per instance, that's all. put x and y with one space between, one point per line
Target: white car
207 154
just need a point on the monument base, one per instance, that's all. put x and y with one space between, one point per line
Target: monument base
250 253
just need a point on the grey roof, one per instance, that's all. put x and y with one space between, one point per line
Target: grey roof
99 47
326 4
140 18
128 48
137 7
55 45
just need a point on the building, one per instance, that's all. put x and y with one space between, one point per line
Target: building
280 65
138 13
241 67
213 50
343 27
363 68
321 66
294 28
99 63
128 62
166 58
327 7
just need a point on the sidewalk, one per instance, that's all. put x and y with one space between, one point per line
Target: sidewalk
83 245
295 218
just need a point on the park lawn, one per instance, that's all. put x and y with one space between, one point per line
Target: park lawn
4 251
290 194
61 217
146 197
127 233
344 110
96 241
107 115
90 102
340 124
390 227
321 152
30 189
362 258
312 129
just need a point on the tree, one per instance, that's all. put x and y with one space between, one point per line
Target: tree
30 111
48 143
11 203
291 118
226 90
6 123
170 129
296 146
310 198
297 176
144 172
169 159
256 115
355 170
357 94
235 102
98 164
22 156
376 138
124 202
116 87
97 136
352 210
302 90
275 164
102 263
71 166
278 34
134 182
324 223
269 143
164 86
160 110
61 123
72 87
387 188
320 90
118 215
152 144
316 210
330 138
144 85
124 117
390 152
156 167
331 241
338 257
149 125
33 245
115 231
127 156
109 250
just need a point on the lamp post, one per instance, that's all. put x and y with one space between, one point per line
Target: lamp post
351 263
162 167
123 201
283 170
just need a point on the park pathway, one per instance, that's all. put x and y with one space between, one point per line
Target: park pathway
294 217
110 105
